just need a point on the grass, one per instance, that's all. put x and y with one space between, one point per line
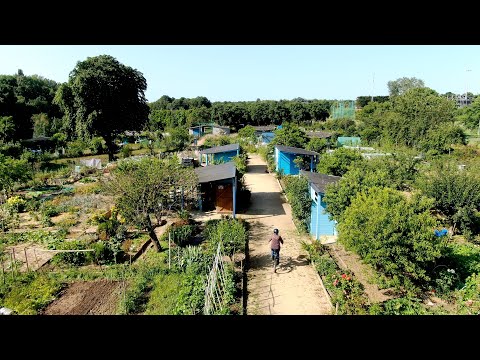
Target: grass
31 293
163 296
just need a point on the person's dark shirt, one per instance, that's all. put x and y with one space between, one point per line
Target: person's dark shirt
276 240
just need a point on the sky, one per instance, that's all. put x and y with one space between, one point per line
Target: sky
267 72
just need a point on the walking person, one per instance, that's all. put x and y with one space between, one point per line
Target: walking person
275 240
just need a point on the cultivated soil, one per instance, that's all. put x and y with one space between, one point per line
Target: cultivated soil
295 287
87 298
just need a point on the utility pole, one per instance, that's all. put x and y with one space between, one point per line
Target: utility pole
466 87
373 84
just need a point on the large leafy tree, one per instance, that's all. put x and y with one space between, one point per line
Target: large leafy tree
396 171
338 162
104 98
290 135
22 96
149 187
401 85
392 234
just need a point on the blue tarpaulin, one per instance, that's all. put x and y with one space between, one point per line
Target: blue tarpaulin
440 233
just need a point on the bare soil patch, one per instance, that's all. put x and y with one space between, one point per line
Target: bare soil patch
87 298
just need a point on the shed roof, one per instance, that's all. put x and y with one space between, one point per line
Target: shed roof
294 150
220 149
216 172
319 134
265 128
319 181
221 127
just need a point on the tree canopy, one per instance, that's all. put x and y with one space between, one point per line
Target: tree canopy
104 98
393 234
149 187
403 84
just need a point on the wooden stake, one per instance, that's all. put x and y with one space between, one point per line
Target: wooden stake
36 260
26 258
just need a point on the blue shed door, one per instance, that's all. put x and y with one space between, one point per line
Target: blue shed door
325 225
313 219
284 163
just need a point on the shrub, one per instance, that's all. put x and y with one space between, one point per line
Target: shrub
181 234
71 258
125 152
16 203
231 233
298 195
400 306
97 146
75 148
392 234
469 296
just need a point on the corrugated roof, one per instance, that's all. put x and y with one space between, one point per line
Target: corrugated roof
319 134
319 181
216 172
220 149
294 150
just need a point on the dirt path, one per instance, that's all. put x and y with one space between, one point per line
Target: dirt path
295 288
87 298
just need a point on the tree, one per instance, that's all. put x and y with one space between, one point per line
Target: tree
41 125
297 190
470 115
401 85
317 144
290 135
248 133
148 187
456 194
338 162
177 140
104 98
392 234
13 171
7 128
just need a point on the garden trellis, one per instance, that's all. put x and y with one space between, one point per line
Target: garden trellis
215 291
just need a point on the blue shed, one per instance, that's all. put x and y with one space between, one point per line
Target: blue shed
320 225
348 140
218 188
285 156
265 133
196 131
220 153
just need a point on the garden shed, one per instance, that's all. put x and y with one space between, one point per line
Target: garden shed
321 227
196 131
319 134
265 134
218 188
219 153
348 140
285 156
220 130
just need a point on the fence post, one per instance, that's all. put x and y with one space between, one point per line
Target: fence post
26 258
12 264
169 256
36 260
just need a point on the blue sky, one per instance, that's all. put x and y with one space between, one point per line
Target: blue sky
245 73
